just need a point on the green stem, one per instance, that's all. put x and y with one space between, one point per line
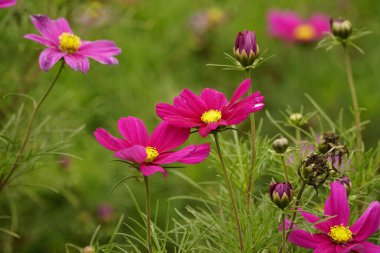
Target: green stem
231 192
147 205
355 103
285 168
20 152
298 135
299 195
283 232
252 165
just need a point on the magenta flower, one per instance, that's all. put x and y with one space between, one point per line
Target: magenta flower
7 3
335 236
62 43
288 26
211 109
148 152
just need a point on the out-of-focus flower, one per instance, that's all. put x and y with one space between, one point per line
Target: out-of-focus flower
63 44
281 194
94 13
7 3
280 145
335 236
148 152
341 27
211 109
246 49
204 21
64 162
288 26
105 213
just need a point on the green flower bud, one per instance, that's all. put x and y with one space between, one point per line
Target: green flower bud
340 27
280 145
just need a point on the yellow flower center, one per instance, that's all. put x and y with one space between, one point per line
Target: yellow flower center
151 154
340 234
304 32
211 116
69 43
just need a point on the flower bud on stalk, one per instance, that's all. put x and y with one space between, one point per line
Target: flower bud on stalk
281 194
296 119
246 49
88 249
280 145
340 27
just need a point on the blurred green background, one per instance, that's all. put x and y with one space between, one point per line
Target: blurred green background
162 53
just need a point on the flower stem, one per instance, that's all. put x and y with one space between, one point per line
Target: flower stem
5 180
355 103
231 192
283 232
252 165
285 168
147 205
299 195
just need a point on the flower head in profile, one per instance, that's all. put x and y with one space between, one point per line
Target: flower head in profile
62 43
288 26
335 236
7 3
149 152
211 109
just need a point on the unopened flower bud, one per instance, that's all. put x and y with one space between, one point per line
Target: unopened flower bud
281 194
246 49
280 145
296 119
346 183
341 27
88 249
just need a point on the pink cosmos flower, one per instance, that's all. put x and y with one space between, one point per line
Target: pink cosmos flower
62 43
211 109
148 152
288 26
335 236
7 3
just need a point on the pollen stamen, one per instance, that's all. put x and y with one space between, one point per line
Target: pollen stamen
340 234
69 43
211 116
151 154
304 32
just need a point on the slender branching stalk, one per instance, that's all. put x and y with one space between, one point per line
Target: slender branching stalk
148 215
350 77
283 232
285 168
231 192
252 165
5 179
299 196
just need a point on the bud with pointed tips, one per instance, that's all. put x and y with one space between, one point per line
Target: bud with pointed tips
340 27
246 49
280 145
281 194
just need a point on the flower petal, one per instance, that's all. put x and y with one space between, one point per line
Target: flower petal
325 247
77 62
305 239
213 99
176 116
49 57
368 223
282 23
322 226
351 247
136 153
133 130
241 90
191 154
148 170
320 23
205 129
370 247
51 28
199 154
108 141
39 39
100 50
7 3
166 137
193 102
337 205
